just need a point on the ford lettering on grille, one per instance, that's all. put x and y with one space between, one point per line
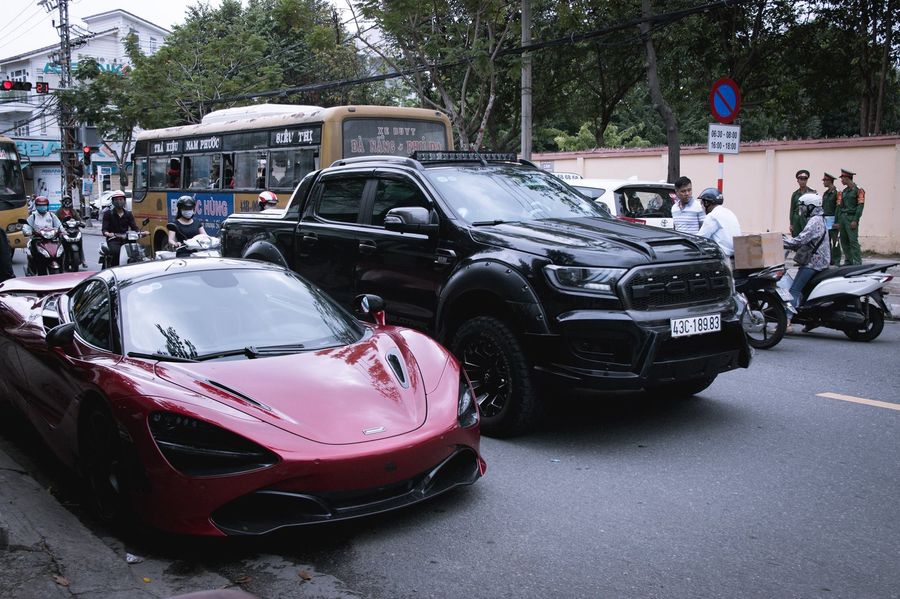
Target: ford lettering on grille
680 288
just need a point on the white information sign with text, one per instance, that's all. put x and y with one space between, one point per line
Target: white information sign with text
723 139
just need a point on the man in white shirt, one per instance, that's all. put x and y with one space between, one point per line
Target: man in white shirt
720 224
687 213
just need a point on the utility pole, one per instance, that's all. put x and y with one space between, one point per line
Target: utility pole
68 152
526 81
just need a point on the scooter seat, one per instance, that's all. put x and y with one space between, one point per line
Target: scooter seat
832 272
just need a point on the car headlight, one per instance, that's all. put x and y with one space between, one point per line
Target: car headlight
467 408
585 280
197 448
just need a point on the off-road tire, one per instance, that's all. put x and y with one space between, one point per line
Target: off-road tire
501 376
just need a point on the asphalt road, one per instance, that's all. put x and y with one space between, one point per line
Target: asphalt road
760 487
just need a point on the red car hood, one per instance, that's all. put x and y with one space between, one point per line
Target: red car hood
361 392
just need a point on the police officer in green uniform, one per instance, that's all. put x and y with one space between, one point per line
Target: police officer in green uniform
798 221
829 210
851 202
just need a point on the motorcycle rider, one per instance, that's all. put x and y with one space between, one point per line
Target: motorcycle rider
41 218
66 211
809 207
117 221
720 224
185 225
266 199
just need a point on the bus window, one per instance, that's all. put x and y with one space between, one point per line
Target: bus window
173 174
140 174
201 172
289 167
228 171
246 165
215 172
158 168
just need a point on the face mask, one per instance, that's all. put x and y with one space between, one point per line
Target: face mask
43 209
187 213
119 205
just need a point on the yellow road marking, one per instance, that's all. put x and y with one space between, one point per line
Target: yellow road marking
868 402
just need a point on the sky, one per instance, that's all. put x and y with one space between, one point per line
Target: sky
24 25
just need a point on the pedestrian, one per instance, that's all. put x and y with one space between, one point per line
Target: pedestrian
797 220
829 211
812 253
850 203
721 225
687 213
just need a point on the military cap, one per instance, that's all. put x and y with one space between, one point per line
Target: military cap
847 173
829 176
802 171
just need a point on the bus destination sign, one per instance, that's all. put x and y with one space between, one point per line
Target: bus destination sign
306 136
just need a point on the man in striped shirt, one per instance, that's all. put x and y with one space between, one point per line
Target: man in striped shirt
687 213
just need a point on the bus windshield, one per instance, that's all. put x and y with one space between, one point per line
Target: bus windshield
12 184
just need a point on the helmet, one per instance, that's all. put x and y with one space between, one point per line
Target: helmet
810 200
185 203
67 201
266 199
118 198
711 195
41 204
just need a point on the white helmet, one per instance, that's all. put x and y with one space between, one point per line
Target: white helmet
810 200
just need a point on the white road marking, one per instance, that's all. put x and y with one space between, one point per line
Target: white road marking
868 402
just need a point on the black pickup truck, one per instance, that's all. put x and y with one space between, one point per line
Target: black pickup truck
526 281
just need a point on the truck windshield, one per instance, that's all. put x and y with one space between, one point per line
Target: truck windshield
497 194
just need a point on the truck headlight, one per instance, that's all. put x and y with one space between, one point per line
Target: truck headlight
585 280
467 409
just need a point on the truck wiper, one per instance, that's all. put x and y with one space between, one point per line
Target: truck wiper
487 223
161 357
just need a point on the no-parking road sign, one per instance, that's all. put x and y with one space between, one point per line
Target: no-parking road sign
725 100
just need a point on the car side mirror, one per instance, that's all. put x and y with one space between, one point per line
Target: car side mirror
370 304
410 219
61 335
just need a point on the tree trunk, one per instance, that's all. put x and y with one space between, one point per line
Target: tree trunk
659 102
888 18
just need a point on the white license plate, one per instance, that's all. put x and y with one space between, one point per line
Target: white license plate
785 294
696 325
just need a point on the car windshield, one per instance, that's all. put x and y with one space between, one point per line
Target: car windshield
495 194
197 315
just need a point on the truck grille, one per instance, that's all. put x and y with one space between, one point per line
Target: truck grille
658 287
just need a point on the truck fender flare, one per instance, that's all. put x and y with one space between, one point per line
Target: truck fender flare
498 279
265 251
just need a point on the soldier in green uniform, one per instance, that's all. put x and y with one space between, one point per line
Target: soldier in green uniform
829 210
851 202
798 222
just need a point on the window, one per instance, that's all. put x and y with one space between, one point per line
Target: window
247 168
395 194
158 168
203 172
288 167
173 174
90 311
340 200
152 45
140 173
21 128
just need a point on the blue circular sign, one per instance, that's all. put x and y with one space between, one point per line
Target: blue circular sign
725 100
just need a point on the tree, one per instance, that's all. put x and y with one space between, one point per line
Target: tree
108 101
659 102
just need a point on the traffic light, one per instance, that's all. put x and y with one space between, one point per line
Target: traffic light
86 159
42 87
9 86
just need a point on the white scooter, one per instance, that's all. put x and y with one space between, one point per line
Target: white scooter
199 246
846 298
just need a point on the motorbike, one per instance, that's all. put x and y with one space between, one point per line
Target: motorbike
849 299
43 253
71 242
764 306
130 252
199 246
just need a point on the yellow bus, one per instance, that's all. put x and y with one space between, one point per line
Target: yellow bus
13 204
233 154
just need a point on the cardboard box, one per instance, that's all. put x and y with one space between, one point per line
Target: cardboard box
758 250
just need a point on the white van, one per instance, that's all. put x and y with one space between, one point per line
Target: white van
643 202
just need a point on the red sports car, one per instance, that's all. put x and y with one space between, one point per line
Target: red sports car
229 397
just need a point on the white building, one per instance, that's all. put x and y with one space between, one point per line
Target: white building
31 118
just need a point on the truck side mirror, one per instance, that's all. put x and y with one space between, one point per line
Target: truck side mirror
410 219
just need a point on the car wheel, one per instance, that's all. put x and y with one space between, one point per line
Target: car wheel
873 327
681 389
501 378
101 462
